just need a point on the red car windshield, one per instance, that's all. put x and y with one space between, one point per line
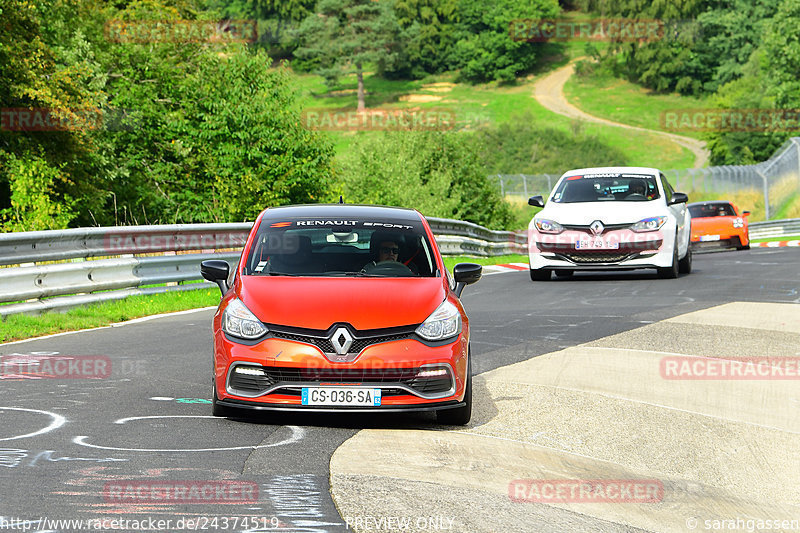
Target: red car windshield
321 247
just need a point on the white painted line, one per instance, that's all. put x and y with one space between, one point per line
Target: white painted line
57 422
297 434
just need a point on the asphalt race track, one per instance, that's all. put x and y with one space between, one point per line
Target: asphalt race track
570 386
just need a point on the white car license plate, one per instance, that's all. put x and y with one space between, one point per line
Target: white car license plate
706 238
333 396
598 243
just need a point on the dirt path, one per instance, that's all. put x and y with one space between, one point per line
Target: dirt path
549 91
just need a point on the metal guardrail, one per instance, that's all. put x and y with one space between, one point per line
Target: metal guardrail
123 270
775 228
62 245
120 274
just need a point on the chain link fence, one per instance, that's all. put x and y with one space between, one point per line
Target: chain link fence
777 180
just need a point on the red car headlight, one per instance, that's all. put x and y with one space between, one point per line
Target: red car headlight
239 321
442 324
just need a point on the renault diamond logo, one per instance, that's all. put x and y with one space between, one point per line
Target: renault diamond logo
341 340
597 227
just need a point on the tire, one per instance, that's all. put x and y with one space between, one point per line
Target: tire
540 274
685 264
217 409
564 273
670 272
460 416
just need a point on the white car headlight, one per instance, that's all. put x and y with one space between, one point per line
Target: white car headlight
649 224
443 323
738 223
238 321
548 226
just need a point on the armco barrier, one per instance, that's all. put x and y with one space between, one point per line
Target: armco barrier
775 228
120 274
75 280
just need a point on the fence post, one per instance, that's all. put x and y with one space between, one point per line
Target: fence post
766 194
524 184
797 150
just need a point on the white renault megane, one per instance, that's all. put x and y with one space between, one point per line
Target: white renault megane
612 218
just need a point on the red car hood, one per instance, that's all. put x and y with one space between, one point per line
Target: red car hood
364 303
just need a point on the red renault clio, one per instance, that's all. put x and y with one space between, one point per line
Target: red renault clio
342 308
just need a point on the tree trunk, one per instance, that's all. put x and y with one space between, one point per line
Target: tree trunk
360 75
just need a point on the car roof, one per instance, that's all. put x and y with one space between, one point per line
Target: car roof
385 213
613 170
710 202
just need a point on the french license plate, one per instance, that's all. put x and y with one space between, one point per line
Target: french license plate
334 396
706 238
598 243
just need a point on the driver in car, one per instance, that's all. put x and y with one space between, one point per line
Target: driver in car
387 250
636 187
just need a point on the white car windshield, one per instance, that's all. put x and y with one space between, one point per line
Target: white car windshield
606 188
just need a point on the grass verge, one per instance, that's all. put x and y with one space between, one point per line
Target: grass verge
19 327
452 261
777 239
622 101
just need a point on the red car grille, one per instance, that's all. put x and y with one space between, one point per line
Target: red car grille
285 377
361 339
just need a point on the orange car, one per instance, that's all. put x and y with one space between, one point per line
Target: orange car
342 308
718 225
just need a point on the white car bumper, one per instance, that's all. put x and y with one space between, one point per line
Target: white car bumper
614 250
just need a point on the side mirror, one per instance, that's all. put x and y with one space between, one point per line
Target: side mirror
217 271
745 213
678 198
536 201
466 274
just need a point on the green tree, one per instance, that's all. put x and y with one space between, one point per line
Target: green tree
769 80
428 36
705 43
526 146
34 204
485 50
782 54
218 133
344 36
47 69
437 173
